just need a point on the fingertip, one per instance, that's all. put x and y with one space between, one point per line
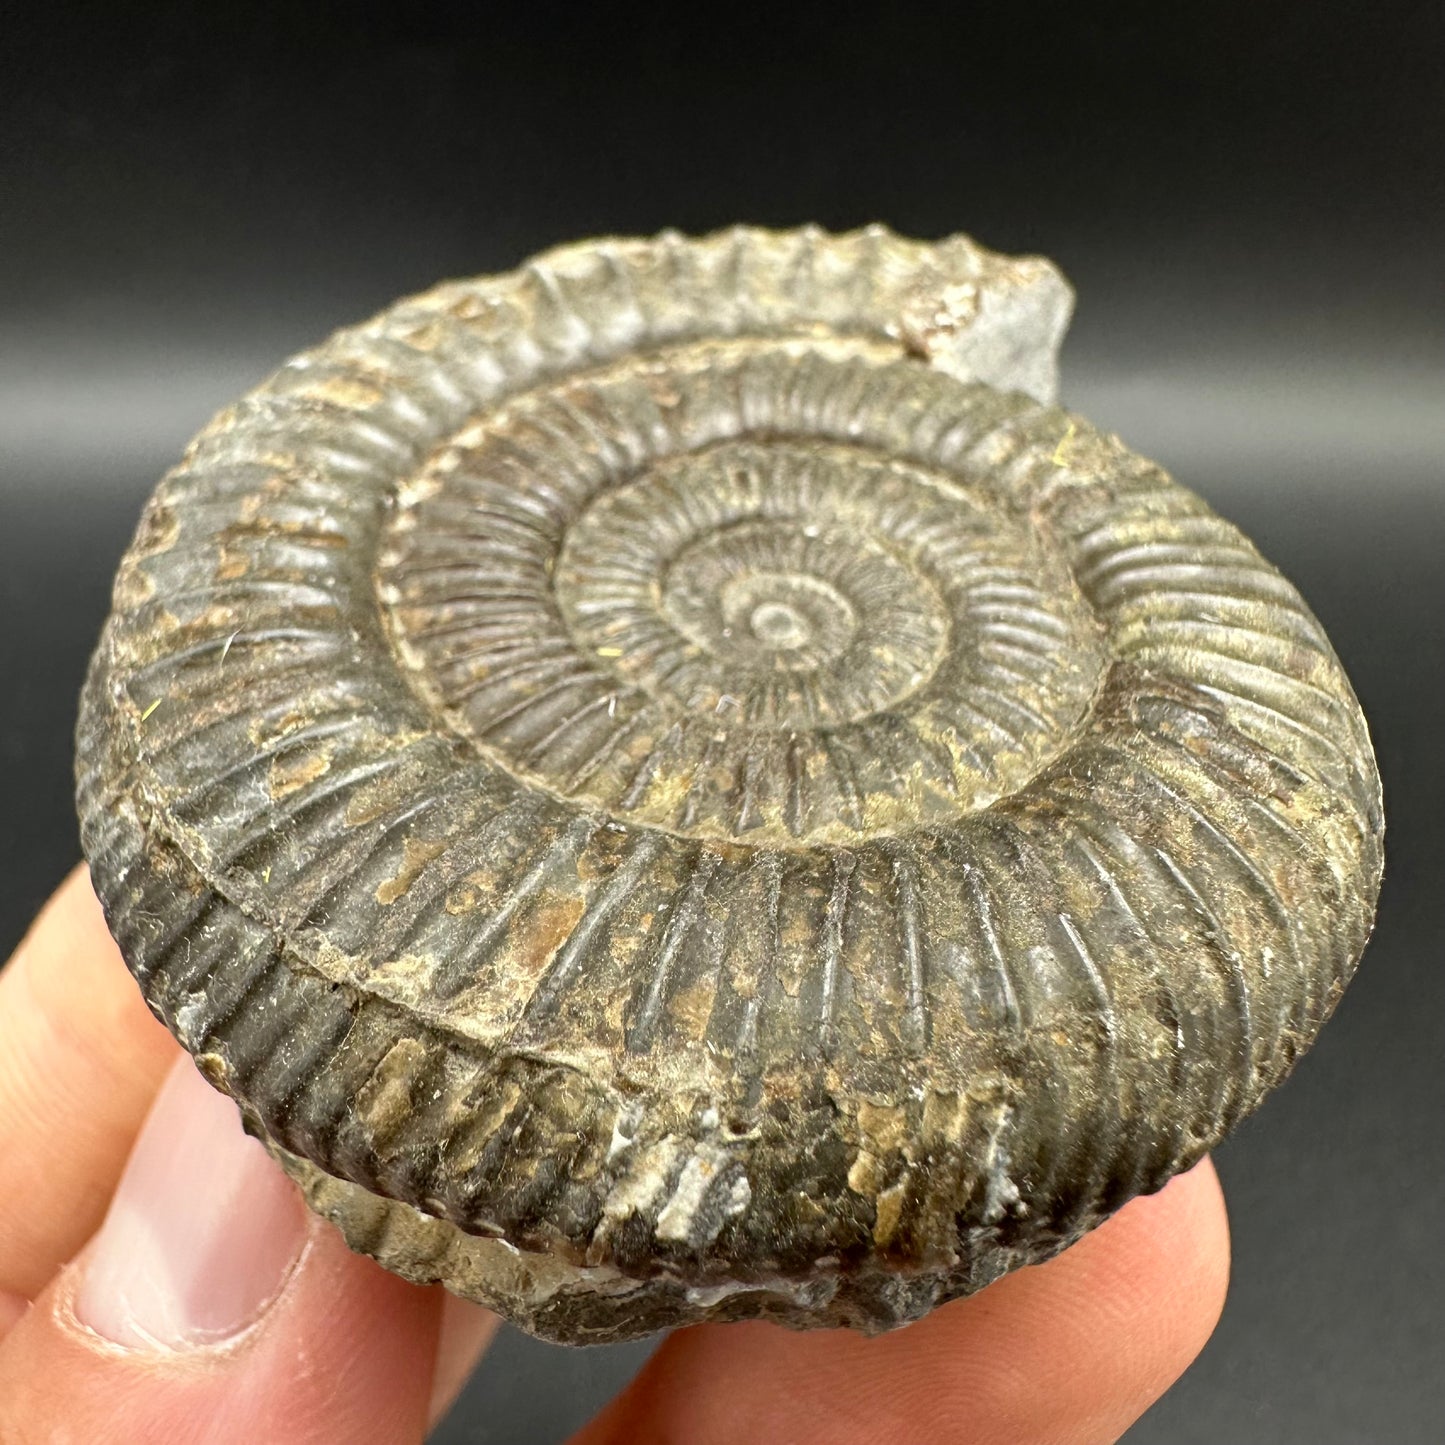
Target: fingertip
466 1331
1202 1242
81 1057
1071 1351
73 912
211 1294
1165 1258
344 1352
339 1350
201 1232
1112 1322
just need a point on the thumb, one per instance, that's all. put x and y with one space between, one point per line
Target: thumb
212 1309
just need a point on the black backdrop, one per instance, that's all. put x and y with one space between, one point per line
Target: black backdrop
1251 202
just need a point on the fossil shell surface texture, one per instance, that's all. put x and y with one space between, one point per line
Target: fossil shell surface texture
676 784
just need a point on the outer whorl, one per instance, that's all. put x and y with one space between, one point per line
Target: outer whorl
676 784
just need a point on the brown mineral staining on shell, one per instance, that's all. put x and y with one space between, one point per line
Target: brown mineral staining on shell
676 784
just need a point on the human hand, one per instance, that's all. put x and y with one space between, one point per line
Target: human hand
161 1281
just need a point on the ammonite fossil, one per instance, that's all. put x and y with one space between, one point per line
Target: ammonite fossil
676 784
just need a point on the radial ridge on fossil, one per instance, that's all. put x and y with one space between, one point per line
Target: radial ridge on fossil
676 783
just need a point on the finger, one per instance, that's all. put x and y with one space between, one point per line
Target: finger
80 1060
1066 1353
466 1331
213 1308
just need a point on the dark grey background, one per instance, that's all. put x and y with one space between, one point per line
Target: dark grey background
1251 202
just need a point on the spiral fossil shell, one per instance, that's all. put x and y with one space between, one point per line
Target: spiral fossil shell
676 784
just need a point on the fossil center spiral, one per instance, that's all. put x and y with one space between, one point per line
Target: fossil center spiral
781 620
700 596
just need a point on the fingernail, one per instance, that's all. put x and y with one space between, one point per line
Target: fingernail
202 1231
